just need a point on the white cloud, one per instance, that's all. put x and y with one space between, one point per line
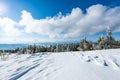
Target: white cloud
8 27
95 20
75 24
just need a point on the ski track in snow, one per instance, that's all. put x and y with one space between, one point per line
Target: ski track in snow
88 65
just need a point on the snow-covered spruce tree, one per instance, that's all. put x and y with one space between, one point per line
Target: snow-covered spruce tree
85 45
68 47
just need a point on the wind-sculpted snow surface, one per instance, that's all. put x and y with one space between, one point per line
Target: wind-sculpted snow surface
88 65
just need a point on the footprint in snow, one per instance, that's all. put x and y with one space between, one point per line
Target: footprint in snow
105 63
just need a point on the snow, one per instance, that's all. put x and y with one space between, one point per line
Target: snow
88 65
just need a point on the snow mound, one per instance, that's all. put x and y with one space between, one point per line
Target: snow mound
88 65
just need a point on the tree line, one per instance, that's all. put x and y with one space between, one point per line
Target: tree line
39 48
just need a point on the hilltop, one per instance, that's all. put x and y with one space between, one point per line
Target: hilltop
87 65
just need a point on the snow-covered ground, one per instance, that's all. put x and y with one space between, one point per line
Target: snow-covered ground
89 65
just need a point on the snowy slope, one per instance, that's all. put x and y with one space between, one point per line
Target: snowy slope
89 65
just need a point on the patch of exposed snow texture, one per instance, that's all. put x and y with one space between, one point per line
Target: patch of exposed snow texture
88 65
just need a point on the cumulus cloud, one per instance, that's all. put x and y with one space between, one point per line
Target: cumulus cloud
8 27
54 27
75 24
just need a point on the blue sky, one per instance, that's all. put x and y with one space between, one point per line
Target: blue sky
50 20
43 8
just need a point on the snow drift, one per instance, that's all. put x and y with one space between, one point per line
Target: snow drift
88 65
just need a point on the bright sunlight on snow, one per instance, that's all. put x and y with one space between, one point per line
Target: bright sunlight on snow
88 65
